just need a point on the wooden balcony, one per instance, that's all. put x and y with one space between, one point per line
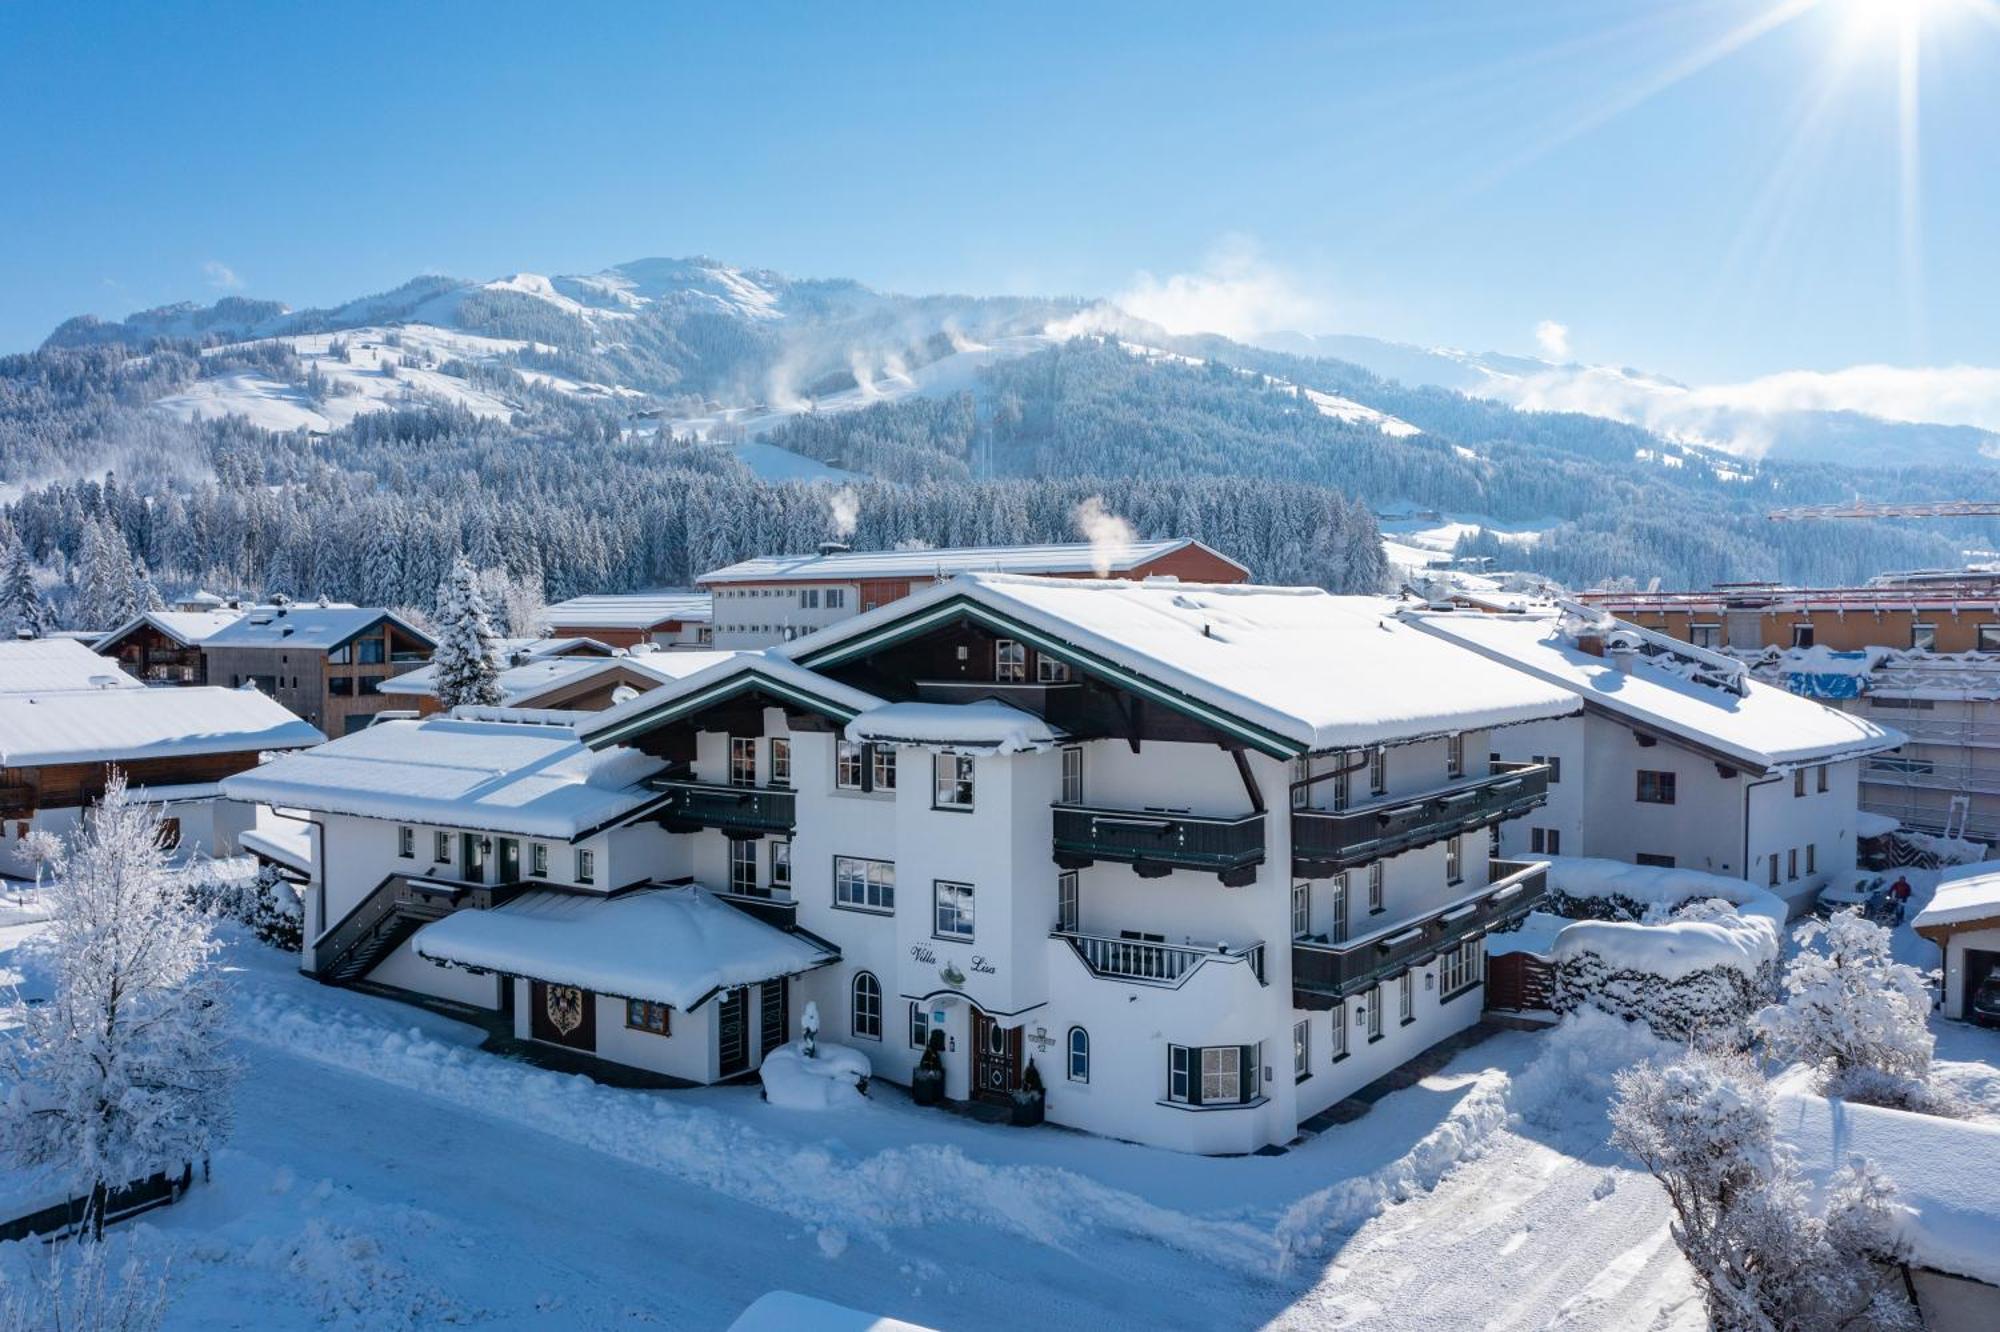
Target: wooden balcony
1155 842
1326 842
17 801
1143 962
1325 974
740 811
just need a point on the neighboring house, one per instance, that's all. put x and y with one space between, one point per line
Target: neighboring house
1963 920
1683 759
326 663
666 619
563 674
774 599
1125 830
59 744
36 665
164 647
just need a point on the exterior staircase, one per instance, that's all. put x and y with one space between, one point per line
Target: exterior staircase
392 911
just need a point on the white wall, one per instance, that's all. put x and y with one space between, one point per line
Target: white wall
1956 964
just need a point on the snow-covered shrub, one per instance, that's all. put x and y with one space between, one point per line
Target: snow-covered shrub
76 1294
836 1076
1855 1016
1767 1258
124 1069
267 902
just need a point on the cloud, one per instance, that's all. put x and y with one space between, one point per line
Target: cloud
1235 293
221 275
1553 339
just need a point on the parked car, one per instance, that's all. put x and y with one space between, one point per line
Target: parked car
1985 1005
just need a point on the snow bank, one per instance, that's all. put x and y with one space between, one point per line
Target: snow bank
1571 1078
833 1080
1673 950
784 1311
988 726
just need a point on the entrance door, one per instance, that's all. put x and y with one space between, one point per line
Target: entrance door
732 1032
562 1015
775 1017
996 1058
510 861
472 849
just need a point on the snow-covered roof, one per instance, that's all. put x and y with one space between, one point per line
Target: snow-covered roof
1761 729
42 665
1946 1173
113 725
987 725
310 627
183 626
540 674
1076 557
673 946
1964 893
535 780
766 670
1315 671
629 610
286 841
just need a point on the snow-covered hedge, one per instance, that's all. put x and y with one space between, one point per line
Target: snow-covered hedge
1688 953
264 900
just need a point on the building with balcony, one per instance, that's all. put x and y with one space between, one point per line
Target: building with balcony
1212 857
1682 757
164 647
326 663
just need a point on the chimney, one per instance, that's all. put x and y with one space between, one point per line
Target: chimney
1591 641
833 547
1623 651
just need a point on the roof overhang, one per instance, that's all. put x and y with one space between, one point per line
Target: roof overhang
746 680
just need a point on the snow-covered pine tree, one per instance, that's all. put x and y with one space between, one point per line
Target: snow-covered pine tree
144 596
1853 1014
21 610
123 1071
466 664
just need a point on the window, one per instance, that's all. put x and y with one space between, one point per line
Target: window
340 656
847 765
1010 661
1301 910
952 777
742 760
1812 857
441 848
1066 903
1802 635
1378 771
809 599
1774 869
866 1015
1339 1041
1372 1010
1341 781
1337 932
371 651
1555 768
538 860
1653 858
1459 968
1454 755
781 865
1454 860
1919 704
781 761
1072 775
1406 997
643 1016
836 598
340 686
1798 783
951 905
1374 887
368 684
586 867
882 761
1705 635
1792 865
1656 788
1213 1075
1301 1051
864 885
406 843
1545 841
1079 1055
1221 1073
1923 638
1302 768
742 865
1821 774
920 1025
1050 671
1989 638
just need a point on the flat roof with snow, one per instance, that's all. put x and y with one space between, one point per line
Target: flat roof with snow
846 565
44 665
532 779
674 946
1965 893
114 725
985 725
1761 729
1307 671
630 610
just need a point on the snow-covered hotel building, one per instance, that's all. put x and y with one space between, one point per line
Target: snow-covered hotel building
1682 759
1212 857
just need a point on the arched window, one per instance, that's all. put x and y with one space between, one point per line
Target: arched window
867 1006
1079 1055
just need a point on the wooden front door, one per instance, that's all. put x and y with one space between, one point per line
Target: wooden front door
472 857
775 1017
510 861
732 1032
996 1058
563 1015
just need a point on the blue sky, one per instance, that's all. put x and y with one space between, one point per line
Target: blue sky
1435 172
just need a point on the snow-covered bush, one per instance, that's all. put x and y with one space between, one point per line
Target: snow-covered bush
1855 1016
77 1295
835 1076
1767 1258
267 902
124 1070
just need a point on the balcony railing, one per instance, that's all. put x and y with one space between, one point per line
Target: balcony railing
17 800
1325 842
1145 962
734 809
1156 842
1325 974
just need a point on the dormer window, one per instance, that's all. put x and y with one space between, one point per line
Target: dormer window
1010 661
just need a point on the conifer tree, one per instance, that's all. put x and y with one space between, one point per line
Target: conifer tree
466 664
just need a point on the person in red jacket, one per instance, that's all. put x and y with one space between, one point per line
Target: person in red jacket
1900 891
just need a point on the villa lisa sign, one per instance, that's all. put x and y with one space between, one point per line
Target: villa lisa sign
949 973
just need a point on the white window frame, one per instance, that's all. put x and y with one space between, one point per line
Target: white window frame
1068 901
1301 909
953 916
1302 768
1010 661
406 843
1221 1074
1377 894
1077 1046
781 760
1454 754
586 866
1338 932
1378 770
952 781
538 860
742 760
849 757
1374 1013
1406 998
781 865
1072 774
883 763
920 1025
1339 1043
1051 670
864 1006
856 879
1301 1050
441 847
1454 859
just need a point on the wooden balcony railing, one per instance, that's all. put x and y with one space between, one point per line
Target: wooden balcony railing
1326 842
751 810
1157 842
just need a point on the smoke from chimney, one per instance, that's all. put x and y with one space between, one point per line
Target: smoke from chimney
1107 533
844 508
